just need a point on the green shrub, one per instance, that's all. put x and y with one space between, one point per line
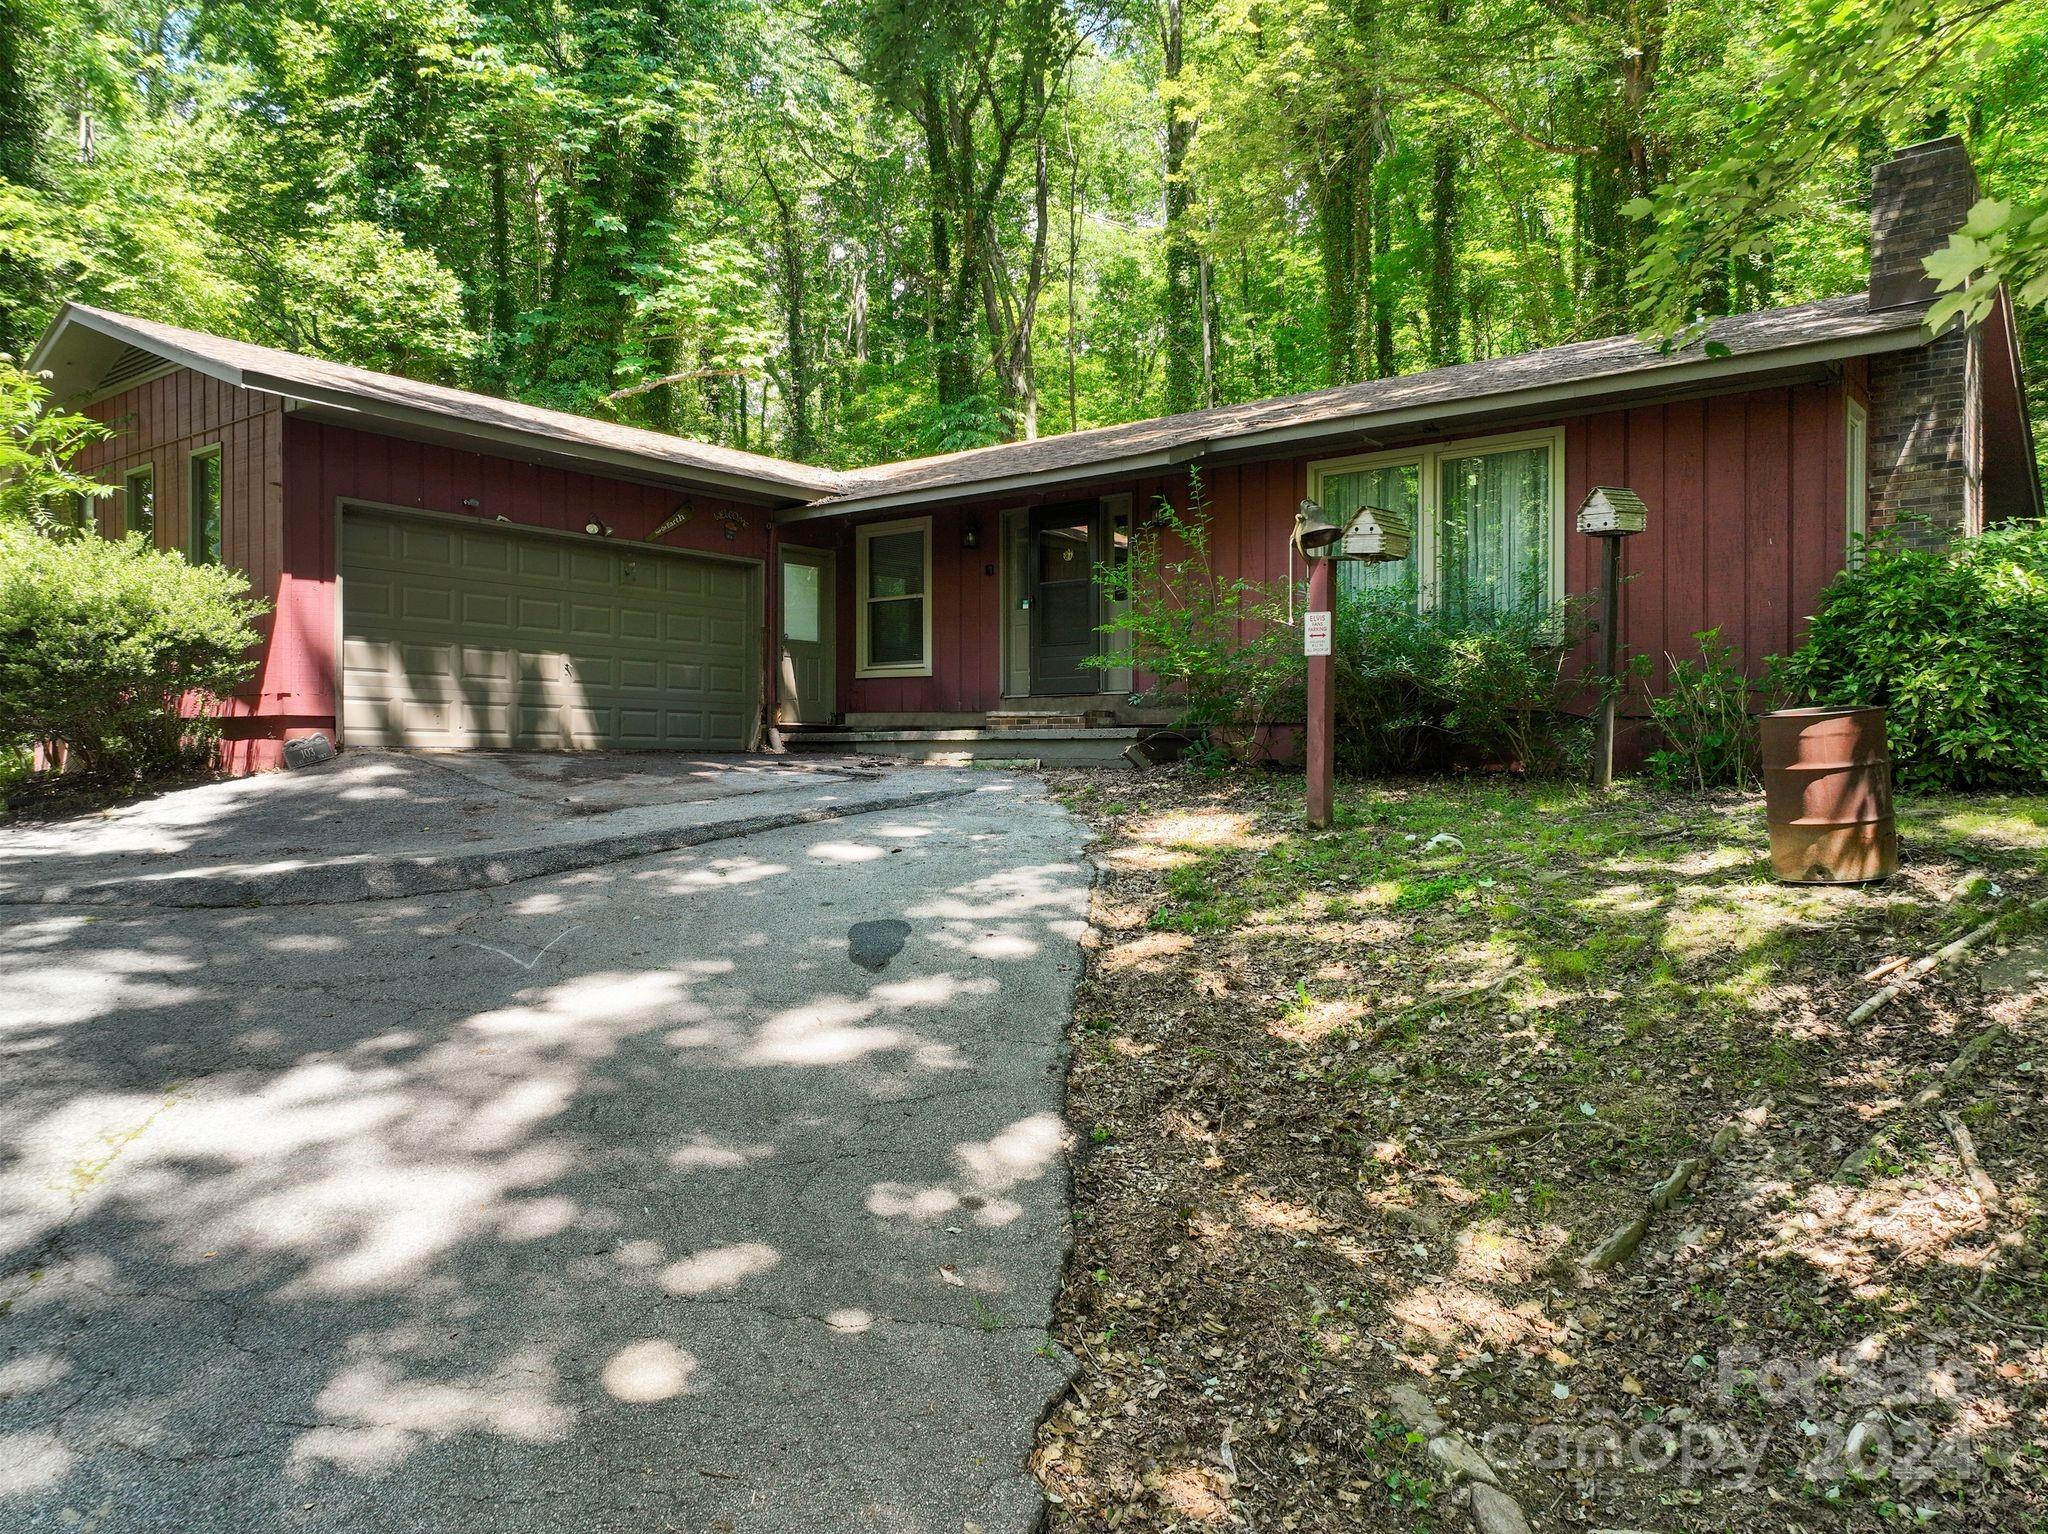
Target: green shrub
1705 735
1453 686
1954 643
1210 647
1457 685
101 642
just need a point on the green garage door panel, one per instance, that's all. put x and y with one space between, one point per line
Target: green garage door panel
454 636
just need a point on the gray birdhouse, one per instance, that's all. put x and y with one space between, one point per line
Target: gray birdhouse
1611 512
1377 536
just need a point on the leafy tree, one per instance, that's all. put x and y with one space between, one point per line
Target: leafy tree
870 227
356 290
38 441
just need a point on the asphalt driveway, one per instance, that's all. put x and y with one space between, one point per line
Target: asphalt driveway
712 1189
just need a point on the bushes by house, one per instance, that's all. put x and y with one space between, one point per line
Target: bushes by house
1702 732
1418 688
1954 643
1459 685
1215 649
104 646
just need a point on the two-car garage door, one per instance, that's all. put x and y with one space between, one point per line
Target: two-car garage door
455 636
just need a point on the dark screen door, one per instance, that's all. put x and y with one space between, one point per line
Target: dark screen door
1063 600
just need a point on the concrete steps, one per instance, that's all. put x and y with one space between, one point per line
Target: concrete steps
1034 744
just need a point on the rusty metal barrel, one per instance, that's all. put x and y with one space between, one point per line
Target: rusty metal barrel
1828 795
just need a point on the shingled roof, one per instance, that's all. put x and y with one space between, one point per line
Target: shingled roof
385 398
1578 373
1572 376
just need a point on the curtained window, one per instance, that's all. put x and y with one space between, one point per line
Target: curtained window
1484 514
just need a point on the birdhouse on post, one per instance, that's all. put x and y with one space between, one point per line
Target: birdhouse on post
1372 536
1377 536
1611 512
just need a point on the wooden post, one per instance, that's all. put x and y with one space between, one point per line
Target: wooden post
1322 694
1610 652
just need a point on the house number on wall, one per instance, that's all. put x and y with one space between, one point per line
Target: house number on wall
1315 633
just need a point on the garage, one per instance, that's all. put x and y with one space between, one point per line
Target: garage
458 636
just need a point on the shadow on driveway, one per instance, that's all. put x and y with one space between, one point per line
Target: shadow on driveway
624 1199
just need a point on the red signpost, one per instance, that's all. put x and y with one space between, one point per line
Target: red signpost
1322 694
1372 535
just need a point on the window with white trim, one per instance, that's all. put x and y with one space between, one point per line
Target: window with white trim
892 588
1856 474
1487 516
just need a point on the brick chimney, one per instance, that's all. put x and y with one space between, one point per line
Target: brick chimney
1918 198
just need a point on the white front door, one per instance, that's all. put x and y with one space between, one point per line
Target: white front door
808 691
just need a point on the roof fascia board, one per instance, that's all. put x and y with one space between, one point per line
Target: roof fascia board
1703 375
970 490
528 447
1372 435
178 356
528 440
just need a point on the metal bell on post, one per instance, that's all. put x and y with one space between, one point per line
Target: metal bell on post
1314 533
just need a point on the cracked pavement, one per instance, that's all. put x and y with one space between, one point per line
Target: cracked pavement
619 1199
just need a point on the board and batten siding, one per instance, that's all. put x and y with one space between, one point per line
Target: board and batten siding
1746 493
159 424
1748 515
967 617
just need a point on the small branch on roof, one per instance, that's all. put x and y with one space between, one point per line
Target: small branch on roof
648 386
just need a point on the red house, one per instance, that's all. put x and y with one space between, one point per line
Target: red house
449 570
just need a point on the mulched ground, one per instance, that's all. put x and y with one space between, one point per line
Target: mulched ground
36 798
1353 1109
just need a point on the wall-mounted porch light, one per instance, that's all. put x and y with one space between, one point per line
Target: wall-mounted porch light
970 533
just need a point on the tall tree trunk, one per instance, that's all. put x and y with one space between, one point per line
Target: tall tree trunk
952 347
1337 231
1012 314
22 43
504 308
800 435
1073 263
1206 273
1183 314
1382 297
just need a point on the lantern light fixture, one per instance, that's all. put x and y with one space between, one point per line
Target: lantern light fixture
970 533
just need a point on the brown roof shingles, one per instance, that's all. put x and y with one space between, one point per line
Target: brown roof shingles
1617 364
1624 359
289 373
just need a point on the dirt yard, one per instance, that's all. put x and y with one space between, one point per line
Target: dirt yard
1509 1158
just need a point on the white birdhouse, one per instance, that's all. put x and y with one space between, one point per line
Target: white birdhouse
1611 512
1377 536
